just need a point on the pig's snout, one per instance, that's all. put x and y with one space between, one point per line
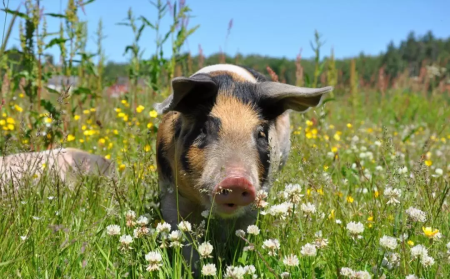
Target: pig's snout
233 192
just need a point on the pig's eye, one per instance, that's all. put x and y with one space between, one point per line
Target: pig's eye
261 134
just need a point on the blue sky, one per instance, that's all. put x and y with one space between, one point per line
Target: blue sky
267 27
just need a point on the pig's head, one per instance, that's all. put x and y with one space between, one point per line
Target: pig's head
225 135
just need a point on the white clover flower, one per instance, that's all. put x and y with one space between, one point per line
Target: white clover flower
142 221
448 245
23 237
130 215
411 276
234 272
126 240
272 245
293 192
253 229
419 251
50 198
347 272
291 260
185 226
209 270
113 230
355 228
163 228
388 242
362 275
402 170
427 261
205 249
260 199
249 269
280 210
393 194
309 250
379 168
141 231
154 259
308 208
391 260
240 233
416 215
285 275
437 173
377 143
176 237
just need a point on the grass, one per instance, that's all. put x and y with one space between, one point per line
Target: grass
343 159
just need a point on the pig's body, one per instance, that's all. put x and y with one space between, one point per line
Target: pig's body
65 162
225 133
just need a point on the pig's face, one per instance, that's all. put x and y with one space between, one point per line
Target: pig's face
224 135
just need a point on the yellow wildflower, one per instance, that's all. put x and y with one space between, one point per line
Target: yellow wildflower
116 132
108 157
376 194
2 122
86 111
429 232
93 109
334 149
21 95
76 117
153 113
149 125
320 192
349 125
70 137
118 110
410 243
332 215
428 162
101 141
350 199
309 123
18 108
337 137
81 140
140 108
147 148
10 127
48 120
122 167
10 120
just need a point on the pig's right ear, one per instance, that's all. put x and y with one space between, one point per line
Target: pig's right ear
189 94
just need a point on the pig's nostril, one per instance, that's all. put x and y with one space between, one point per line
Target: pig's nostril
244 194
230 204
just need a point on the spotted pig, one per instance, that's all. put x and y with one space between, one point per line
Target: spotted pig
224 134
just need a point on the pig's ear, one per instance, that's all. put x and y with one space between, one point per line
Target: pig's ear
276 98
189 93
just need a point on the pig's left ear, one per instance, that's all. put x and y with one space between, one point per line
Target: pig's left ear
276 98
189 93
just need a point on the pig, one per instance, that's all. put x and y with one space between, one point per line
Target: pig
66 162
224 133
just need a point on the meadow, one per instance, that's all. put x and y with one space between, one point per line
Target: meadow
364 193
